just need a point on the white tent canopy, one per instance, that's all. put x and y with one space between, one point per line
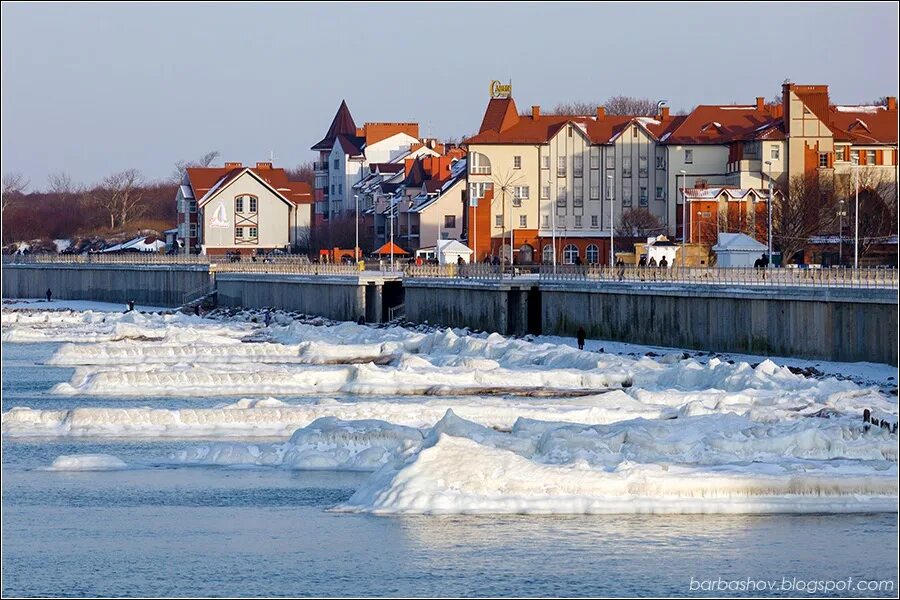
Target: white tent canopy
449 252
738 250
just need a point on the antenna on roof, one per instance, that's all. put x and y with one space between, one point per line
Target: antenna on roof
272 157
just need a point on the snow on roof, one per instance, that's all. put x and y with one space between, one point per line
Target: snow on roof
445 246
187 192
738 242
142 244
645 121
859 109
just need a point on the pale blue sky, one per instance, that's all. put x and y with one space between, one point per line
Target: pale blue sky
94 88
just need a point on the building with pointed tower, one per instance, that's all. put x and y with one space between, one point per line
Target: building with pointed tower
345 154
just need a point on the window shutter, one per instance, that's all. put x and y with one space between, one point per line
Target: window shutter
862 157
879 157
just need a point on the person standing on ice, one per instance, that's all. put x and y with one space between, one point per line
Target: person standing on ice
49 294
268 318
581 334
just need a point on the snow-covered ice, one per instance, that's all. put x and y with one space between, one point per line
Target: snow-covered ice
452 422
87 462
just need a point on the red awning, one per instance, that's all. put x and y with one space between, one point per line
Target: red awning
386 249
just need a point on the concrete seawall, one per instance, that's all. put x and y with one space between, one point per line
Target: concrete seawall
839 324
833 324
156 285
340 297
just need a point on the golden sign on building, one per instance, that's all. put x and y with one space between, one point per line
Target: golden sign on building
500 89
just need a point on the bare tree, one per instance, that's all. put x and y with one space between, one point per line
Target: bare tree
616 105
630 105
637 224
14 185
807 209
61 184
120 195
303 172
204 161
877 205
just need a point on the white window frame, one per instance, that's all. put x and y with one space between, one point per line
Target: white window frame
517 162
688 156
523 221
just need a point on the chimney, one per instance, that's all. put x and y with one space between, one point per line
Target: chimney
760 103
892 103
263 165
601 112
535 112
233 165
664 113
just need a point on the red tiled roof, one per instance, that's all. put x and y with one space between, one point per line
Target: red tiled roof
204 179
720 124
501 114
864 125
528 130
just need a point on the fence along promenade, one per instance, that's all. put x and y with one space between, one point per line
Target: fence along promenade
871 277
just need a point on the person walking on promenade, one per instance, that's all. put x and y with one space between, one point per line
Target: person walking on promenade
581 335
49 294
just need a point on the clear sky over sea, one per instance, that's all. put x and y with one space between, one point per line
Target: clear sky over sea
94 88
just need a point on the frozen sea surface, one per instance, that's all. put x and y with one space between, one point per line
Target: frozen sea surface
349 475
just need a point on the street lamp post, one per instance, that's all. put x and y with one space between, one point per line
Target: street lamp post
391 216
683 214
856 215
841 214
769 226
356 247
552 217
612 235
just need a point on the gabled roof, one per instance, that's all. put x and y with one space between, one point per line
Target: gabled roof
738 242
864 124
720 124
499 128
350 145
455 246
342 124
714 192
417 175
205 187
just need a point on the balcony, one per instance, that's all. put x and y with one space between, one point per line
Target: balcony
320 167
480 170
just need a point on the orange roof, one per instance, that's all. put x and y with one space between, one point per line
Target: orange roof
720 124
386 249
204 179
600 130
864 124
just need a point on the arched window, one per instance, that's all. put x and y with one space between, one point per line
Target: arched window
479 164
570 253
547 256
592 254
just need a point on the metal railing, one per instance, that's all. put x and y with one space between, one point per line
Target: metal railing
466 271
139 258
737 276
870 277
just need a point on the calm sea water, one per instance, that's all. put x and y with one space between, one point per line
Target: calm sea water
207 531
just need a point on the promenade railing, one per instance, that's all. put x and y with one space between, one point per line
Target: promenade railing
874 277
835 277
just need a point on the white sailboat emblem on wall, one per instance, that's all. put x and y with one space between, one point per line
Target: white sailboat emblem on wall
220 217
